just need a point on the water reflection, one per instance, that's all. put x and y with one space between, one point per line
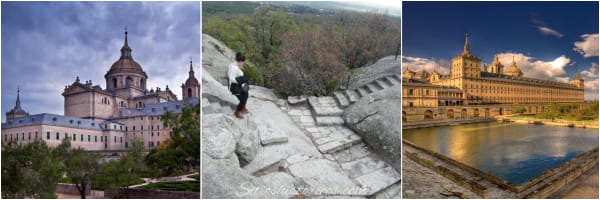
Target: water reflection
513 152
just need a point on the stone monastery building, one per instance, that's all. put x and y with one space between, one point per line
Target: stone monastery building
472 90
99 119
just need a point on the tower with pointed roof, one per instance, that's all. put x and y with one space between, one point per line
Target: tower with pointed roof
191 88
17 111
466 64
513 70
577 80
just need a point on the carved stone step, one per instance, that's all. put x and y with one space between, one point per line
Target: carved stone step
372 87
393 81
352 96
341 99
382 83
362 91
324 106
329 120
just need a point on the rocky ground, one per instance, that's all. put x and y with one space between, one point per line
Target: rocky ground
299 147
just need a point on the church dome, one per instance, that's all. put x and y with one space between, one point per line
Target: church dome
126 64
513 70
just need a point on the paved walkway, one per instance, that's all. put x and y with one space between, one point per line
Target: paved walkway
184 177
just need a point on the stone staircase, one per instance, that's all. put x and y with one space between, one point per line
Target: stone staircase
321 119
348 97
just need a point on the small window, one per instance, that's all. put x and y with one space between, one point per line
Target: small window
71 121
89 138
121 139
101 138
165 108
153 110
78 122
57 136
115 139
82 137
47 135
95 138
54 119
74 137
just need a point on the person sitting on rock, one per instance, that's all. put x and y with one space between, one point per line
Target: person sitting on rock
238 84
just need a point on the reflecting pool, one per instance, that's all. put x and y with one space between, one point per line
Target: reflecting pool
513 152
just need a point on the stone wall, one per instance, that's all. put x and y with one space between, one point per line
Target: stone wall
453 176
535 188
418 114
574 168
136 193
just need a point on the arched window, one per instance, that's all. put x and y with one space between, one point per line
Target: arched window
128 81
189 90
114 80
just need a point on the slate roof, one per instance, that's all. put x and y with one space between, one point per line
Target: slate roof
53 119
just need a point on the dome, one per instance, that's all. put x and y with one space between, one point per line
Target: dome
126 64
513 70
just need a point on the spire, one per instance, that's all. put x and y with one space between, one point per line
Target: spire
191 68
577 74
126 50
18 103
467 48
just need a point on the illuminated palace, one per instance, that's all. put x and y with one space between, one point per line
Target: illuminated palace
99 119
476 91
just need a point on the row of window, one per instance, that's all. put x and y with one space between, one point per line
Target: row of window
82 137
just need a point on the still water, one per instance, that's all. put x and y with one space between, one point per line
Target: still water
513 152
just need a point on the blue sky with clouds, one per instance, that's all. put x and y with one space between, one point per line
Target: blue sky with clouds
45 45
549 40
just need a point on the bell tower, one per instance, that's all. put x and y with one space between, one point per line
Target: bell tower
466 65
191 88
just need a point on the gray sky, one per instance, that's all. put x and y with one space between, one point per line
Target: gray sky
45 45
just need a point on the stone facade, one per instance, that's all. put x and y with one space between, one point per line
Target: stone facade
99 119
470 90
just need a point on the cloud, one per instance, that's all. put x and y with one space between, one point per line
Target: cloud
548 31
589 46
590 77
45 45
531 67
418 64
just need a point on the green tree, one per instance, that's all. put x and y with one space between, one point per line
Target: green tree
518 109
124 172
183 146
29 170
81 167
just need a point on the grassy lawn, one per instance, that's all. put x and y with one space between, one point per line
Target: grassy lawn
529 116
104 187
190 186
65 180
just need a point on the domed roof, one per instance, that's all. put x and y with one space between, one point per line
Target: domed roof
513 69
126 62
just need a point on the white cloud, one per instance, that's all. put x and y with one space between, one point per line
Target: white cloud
418 64
548 31
548 70
590 77
589 46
